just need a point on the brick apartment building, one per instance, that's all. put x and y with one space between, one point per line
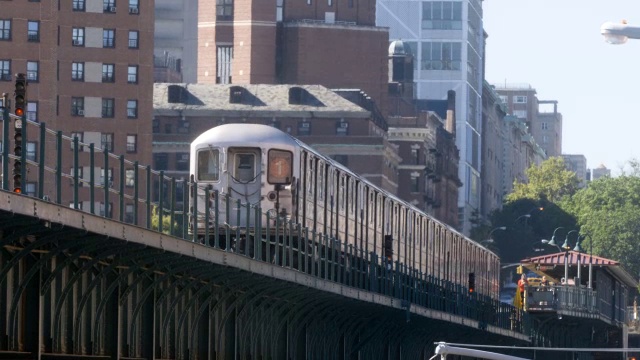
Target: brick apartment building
331 43
89 65
314 114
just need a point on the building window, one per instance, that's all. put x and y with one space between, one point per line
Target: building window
106 142
107 107
108 73
415 184
183 127
132 143
30 189
108 38
109 6
132 109
155 125
224 9
78 5
134 7
414 157
132 74
168 129
182 161
133 39
77 71
522 114
32 71
545 139
78 37
77 106
32 111
223 67
108 214
342 128
160 161
441 55
545 126
279 10
32 149
128 213
442 15
129 178
33 31
304 128
504 99
5 29
80 137
5 70
519 99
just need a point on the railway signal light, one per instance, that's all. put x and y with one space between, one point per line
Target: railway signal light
472 282
17 176
20 94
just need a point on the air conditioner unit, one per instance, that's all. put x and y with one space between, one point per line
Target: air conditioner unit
133 10
112 9
80 112
77 43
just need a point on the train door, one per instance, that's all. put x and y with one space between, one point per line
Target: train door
244 171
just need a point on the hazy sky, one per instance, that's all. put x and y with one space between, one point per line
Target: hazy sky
556 47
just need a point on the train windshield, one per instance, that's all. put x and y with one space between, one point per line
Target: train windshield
244 169
208 165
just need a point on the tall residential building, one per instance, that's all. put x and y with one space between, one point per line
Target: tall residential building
447 39
508 150
577 164
493 160
89 65
541 116
600 171
331 43
176 40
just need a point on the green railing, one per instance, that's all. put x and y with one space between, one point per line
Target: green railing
126 191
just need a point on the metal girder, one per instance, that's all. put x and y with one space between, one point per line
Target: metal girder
109 250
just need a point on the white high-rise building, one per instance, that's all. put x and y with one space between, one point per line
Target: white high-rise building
447 39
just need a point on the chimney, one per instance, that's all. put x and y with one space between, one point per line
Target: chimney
450 124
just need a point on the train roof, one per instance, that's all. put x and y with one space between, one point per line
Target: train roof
229 134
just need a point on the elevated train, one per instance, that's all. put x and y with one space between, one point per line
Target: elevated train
291 182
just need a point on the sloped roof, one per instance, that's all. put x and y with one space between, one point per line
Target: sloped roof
573 256
258 100
572 259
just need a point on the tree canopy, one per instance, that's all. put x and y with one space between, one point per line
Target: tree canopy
608 210
550 181
606 213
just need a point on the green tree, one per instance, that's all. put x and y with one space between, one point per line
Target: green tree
166 222
550 181
609 211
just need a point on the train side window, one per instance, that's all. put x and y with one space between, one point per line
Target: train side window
209 165
245 167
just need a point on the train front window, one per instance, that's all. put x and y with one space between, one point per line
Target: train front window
209 165
244 167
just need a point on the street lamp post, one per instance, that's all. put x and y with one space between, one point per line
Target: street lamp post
589 284
527 216
619 33
490 239
566 248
